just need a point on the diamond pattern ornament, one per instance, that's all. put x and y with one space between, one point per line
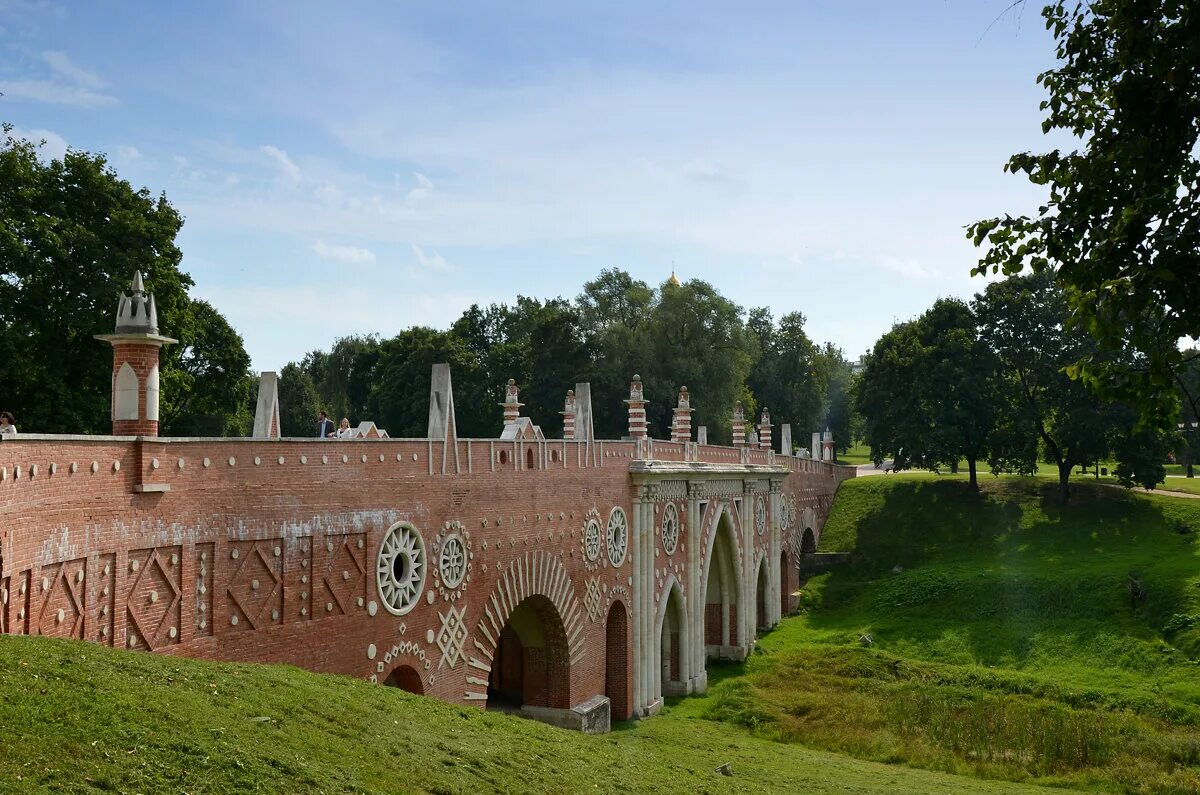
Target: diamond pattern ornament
592 600
452 636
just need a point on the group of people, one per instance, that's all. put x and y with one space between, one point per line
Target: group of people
325 429
8 424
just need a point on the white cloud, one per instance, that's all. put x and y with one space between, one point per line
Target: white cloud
126 154
55 93
432 261
289 169
55 145
350 255
424 188
60 63
906 266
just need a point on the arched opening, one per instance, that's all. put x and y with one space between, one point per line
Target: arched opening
503 456
720 592
554 456
760 603
673 643
808 541
531 667
529 458
405 677
616 662
787 584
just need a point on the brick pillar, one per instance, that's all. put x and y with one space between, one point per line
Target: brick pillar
637 409
681 425
739 425
764 430
512 404
568 415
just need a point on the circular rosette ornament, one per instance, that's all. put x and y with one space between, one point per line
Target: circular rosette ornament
452 549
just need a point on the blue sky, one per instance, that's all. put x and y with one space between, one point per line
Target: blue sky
364 167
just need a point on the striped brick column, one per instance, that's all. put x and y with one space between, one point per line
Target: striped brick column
637 409
739 425
764 430
568 415
512 404
681 421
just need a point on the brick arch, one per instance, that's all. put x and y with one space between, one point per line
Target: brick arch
535 573
405 677
617 678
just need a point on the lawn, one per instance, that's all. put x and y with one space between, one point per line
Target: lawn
1009 636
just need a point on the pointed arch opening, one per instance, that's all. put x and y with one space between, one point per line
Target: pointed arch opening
808 541
674 643
406 678
721 588
531 666
529 459
762 586
616 662
787 583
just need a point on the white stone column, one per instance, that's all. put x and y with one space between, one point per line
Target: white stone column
774 594
638 530
746 597
695 591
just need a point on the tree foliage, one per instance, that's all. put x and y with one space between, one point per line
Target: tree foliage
928 393
1120 228
72 233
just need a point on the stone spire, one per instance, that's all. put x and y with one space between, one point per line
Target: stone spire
136 313
637 409
136 343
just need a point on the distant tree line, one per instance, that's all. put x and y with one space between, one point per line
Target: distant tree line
673 335
992 382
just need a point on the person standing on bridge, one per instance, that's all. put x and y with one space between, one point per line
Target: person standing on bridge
7 424
325 429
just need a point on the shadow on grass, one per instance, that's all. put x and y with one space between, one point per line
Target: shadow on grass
993 568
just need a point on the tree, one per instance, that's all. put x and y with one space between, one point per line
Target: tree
1188 378
72 233
788 377
298 402
343 376
838 403
928 393
399 398
1024 318
1120 229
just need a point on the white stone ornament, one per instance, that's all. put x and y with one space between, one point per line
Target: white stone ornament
452 561
618 536
591 540
452 636
400 569
760 514
670 529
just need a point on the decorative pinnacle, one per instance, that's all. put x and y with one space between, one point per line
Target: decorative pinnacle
137 313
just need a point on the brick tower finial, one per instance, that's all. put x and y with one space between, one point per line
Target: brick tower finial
570 409
739 424
136 343
512 403
764 430
681 424
637 409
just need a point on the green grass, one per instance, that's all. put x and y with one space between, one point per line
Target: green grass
1013 637
76 717
1009 651
858 454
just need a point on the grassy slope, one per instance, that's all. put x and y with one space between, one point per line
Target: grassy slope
76 717
1007 644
